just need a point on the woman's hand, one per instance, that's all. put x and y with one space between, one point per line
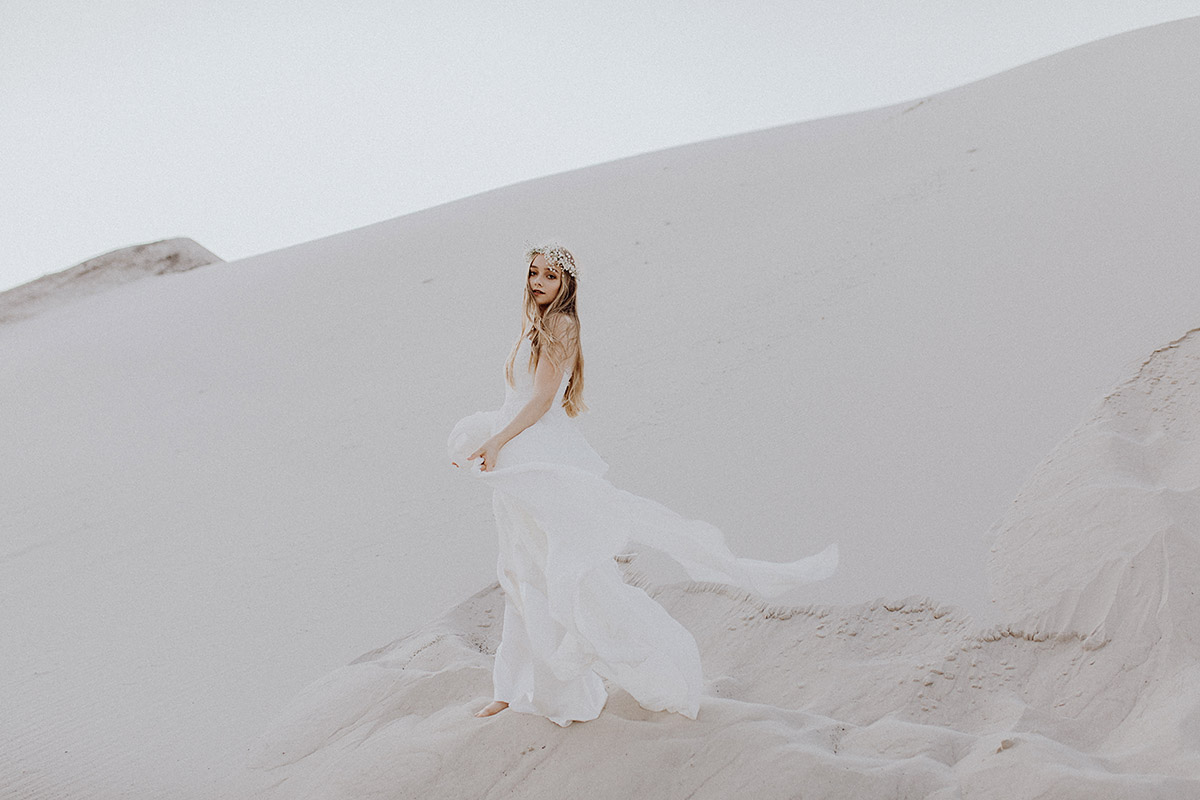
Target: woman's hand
488 452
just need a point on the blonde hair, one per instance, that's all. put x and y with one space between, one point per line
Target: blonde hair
554 332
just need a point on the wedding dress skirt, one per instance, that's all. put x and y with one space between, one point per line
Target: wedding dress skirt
570 621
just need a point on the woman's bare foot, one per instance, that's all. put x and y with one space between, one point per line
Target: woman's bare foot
495 707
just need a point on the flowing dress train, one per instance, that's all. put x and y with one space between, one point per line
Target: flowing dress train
570 621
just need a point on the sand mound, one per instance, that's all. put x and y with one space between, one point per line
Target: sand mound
1103 548
102 273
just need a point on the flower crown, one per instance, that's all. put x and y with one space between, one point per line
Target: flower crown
557 255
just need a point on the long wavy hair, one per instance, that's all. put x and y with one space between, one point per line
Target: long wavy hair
536 324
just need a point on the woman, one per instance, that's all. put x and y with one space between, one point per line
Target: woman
570 621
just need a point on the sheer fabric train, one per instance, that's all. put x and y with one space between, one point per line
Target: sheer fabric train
570 621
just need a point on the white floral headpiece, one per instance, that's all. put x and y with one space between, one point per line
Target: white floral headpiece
557 255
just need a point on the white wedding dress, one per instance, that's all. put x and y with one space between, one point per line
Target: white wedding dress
570 621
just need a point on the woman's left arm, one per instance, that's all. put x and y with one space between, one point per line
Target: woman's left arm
546 379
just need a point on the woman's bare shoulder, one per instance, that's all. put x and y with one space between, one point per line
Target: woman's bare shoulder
560 324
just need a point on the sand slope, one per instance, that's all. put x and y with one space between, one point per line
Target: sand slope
221 485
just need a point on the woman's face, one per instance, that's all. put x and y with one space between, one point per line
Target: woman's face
544 281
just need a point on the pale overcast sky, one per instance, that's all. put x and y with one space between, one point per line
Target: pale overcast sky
250 125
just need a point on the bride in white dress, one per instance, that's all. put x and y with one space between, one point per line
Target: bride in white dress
570 621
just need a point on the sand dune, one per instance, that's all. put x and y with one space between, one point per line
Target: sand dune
222 485
101 273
